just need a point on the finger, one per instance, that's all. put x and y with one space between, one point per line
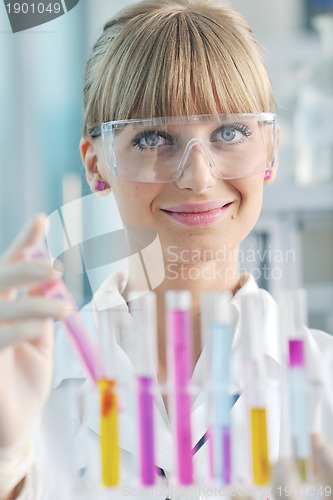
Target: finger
21 274
240 494
285 480
31 234
23 331
323 452
45 342
33 308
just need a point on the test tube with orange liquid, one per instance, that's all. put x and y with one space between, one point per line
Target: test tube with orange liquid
108 401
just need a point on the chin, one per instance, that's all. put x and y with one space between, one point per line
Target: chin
195 250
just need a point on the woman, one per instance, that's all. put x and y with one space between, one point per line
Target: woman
196 178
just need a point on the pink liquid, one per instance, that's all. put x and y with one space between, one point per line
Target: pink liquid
75 328
146 432
180 331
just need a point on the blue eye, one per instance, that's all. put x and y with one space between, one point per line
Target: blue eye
231 134
228 134
151 139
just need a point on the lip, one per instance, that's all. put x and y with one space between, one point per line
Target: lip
197 207
198 214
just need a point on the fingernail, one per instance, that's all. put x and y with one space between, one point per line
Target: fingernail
65 309
322 455
58 266
314 439
318 443
47 225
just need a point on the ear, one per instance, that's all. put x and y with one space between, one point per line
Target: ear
92 158
274 168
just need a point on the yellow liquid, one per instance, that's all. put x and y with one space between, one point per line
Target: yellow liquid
109 433
302 466
261 467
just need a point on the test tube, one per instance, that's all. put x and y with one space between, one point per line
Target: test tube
95 368
218 345
73 323
179 331
298 382
285 445
254 377
143 311
108 399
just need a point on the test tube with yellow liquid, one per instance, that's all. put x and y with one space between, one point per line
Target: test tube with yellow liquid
109 432
108 401
255 390
261 466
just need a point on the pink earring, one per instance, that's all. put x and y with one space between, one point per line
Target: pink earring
268 174
100 186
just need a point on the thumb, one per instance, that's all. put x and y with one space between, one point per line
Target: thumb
323 452
285 480
31 234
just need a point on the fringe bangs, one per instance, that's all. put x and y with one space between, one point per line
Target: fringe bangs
179 62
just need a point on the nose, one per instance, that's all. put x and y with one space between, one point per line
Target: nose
196 168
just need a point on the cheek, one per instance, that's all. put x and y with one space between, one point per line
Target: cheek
250 190
134 200
251 194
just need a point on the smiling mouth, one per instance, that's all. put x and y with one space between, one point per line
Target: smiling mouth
196 214
197 210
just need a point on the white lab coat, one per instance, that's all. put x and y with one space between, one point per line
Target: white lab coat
68 454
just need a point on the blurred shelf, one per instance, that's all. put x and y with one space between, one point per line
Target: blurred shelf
286 198
320 297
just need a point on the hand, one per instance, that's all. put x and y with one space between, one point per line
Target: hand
26 336
323 452
285 481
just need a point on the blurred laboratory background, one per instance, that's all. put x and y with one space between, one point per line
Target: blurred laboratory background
40 127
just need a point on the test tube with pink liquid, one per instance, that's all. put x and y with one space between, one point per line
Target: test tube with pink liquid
179 347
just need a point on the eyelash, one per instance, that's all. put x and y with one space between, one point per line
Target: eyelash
236 126
146 133
241 128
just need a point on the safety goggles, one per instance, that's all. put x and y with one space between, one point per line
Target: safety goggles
157 150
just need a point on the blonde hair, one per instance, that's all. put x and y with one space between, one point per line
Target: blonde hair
175 57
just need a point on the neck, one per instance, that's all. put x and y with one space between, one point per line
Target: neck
197 277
